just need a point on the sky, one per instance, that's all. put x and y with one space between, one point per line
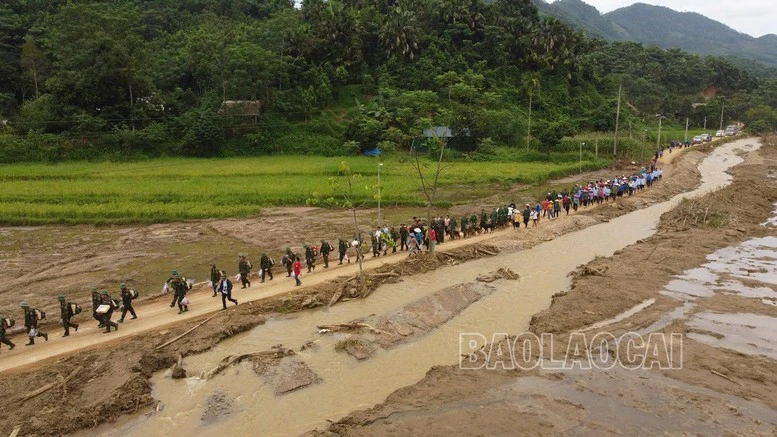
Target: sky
753 17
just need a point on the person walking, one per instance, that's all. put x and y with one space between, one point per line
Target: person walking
326 249
95 304
297 270
127 296
342 248
526 215
3 338
65 313
310 258
225 287
214 278
266 263
31 324
179 287
106 300
244 268
288 261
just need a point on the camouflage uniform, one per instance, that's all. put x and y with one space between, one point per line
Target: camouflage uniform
65 313
31 322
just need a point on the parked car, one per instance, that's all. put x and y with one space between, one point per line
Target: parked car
706 138
720 133
697 139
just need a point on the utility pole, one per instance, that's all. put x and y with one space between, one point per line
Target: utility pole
617 121
581 160
379 166
722 105
705 125
686 128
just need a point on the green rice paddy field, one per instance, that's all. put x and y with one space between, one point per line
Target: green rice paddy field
164 190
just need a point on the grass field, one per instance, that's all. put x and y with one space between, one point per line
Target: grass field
164 190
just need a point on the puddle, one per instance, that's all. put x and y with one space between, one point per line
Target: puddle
751 334
348 385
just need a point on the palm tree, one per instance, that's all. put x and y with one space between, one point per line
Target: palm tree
400 33
532 85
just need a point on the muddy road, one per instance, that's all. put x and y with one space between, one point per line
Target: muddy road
708 276
111 375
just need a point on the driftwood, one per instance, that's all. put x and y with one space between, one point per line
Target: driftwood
501 273
724 376
186 333
352 326
277 352
49 386
18 428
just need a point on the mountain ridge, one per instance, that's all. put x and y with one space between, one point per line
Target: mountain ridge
663 27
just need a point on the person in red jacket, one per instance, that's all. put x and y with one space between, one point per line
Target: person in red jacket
297 270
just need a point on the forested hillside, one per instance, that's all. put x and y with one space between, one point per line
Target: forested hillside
141 78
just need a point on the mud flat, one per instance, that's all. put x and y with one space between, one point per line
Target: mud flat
708 277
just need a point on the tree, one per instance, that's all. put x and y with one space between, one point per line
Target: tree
34 61
346 187
532 85
430 182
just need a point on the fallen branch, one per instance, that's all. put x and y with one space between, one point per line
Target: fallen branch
336 297
232 360
350 327
18 428
48 387
187 332
724 376
651 252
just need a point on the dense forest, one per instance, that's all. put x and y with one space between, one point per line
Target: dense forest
142 78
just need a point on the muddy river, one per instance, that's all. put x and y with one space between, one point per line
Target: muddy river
347 384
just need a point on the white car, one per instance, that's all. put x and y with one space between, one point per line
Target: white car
720 133
697 139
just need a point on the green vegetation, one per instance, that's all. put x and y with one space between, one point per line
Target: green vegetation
138 79
174 189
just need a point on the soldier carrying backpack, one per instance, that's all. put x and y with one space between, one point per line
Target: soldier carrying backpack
66 311
31 317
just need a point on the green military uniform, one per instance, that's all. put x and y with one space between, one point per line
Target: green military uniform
266 263
95 304
342 247
214 278
464 225
65 313
326 248
31 323
244 267
179 287
3 339
106 300
126 302
473 221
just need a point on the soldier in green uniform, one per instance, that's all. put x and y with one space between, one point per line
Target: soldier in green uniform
126 302
266 263
214 278
464 226
326 248
452 228
105 299
95 304
288 261
473 223
65 313
310 258
3 339
31 324
179 287
342 247
244 267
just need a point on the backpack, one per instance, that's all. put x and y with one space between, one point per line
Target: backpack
9 322
41 314
74 308
134 294
248 263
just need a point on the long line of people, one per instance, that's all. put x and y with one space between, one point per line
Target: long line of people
413 238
